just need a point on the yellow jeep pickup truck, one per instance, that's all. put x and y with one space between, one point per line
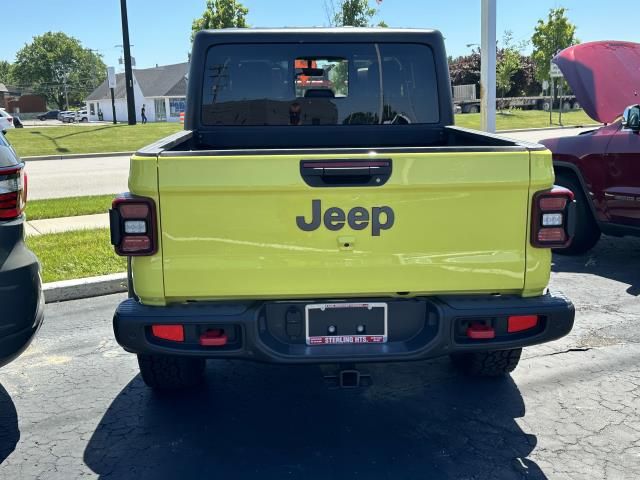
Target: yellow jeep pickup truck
321 207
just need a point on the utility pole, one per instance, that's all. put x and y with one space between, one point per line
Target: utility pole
111 79
488 67
128 73
66 92
63 73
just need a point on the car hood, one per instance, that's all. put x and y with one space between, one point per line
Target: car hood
604 76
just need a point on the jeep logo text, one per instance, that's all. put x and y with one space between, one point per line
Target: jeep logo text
358 218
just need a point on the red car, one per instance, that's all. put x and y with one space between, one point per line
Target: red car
602 166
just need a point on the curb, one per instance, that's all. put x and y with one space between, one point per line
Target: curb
77 155
84 288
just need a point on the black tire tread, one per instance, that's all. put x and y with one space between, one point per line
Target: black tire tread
165 372
492 363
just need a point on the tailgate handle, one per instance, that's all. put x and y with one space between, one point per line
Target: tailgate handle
345 173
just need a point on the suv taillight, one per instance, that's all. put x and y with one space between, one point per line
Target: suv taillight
552 218
133 225
13 192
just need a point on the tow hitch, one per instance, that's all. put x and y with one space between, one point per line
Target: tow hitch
348 376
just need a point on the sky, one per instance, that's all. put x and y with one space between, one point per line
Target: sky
160 29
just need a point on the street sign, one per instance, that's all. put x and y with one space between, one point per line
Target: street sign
111 76
555 71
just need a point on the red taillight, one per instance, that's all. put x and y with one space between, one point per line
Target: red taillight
478 331
133 225
213 338
519 323
134 210
174 333
552 218
10 119
135 244
552 204
552 235
13 192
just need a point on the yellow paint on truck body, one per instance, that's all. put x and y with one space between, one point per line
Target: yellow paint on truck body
228 227
147 272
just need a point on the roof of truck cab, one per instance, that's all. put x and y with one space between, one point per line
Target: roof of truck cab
351 30
319 34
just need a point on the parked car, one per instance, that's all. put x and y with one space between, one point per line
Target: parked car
6 121
82 116
63 112
602 166
21 298
68 117
50 115
336 231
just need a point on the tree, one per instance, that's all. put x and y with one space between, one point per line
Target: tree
6 72
524 80
59 67
465 70
352 13
221 14
508 63
549 37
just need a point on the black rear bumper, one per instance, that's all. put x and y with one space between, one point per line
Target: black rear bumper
270 331
21 297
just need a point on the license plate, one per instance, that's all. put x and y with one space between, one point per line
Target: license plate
354 323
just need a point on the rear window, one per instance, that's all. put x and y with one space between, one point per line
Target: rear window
319 84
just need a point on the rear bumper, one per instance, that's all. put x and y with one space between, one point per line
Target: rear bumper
21 296
419 328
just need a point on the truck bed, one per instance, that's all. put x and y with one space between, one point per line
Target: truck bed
449 138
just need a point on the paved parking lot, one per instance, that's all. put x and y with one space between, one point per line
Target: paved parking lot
74 406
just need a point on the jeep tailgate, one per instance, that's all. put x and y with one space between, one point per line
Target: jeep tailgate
230 226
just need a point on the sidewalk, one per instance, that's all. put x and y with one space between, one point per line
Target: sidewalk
67 224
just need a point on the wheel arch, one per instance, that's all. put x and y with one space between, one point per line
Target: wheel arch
570 169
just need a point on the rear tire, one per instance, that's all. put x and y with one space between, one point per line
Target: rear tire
587 232
492 363
165 372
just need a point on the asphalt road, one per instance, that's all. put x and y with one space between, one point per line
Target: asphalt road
74 406
96 176
77 177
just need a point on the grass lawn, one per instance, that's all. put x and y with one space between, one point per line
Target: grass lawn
516 119
68 207
87 139
69 255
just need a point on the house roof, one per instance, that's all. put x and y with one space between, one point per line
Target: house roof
168 80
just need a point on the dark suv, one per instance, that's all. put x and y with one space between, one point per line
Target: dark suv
21 298
50 115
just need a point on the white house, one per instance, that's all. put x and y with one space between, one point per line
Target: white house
162 90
